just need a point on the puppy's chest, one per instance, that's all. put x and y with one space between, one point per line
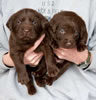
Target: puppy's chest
24 47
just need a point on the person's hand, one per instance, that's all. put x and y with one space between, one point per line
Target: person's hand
7 60
32 58
71 55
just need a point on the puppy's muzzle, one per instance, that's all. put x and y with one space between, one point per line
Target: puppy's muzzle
68 42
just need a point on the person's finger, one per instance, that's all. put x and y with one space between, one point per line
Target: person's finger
63 49
60 51
36 60
36 44
28 58
59 55
31 57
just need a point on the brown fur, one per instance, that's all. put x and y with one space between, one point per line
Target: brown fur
26 27
68 30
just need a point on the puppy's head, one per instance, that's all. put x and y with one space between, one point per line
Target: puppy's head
69 30
26 24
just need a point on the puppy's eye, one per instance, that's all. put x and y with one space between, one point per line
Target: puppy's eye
19 22
62 31
76 34
34 22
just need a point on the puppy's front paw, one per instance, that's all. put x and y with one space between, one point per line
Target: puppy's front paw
31 90
49 81
30 87
40 81
38 73
53 71
23 78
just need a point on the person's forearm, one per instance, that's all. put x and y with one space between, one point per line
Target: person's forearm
7 60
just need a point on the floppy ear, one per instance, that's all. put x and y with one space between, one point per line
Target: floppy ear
83 35
53 28
52 36
53 25
45 24
10 22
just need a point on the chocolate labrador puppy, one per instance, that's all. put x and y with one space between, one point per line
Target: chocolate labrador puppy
68 30
26 27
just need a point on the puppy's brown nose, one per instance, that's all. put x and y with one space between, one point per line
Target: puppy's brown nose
68 42
26 30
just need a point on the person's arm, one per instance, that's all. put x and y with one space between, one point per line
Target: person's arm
3 45
92 35
92 49
7 60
